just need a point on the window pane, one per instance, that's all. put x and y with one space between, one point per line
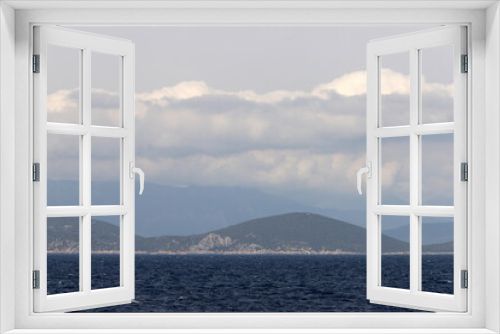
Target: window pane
437 84
106 74
395 170
395 89
437 254
63 84
437 169
105 252
106 171
395 262
63 255
63 170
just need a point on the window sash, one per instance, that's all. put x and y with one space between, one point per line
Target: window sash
86 297
414 298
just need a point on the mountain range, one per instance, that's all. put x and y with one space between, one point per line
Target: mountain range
169 210
184 211
302 233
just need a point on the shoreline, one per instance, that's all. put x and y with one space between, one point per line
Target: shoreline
326 253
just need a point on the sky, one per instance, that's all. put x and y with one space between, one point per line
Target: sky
280 109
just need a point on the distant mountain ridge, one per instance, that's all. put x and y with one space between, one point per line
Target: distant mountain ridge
168 210
432 233
292 233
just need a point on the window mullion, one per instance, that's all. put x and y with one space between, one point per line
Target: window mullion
85 179
419 167
414 172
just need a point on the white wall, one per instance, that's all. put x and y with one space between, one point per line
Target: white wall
7 160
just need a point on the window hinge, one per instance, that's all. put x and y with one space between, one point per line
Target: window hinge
464 172
465 279
465 64
36 279
36 63
36 172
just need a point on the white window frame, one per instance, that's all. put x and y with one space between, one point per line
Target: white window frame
482 18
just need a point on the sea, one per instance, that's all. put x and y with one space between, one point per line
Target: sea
249 283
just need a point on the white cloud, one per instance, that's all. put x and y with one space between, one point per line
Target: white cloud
392 82
62 106
194 89
62 100
351 84
182 91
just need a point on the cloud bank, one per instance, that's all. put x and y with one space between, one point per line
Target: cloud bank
281 141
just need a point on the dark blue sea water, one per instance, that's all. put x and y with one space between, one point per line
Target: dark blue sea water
248 283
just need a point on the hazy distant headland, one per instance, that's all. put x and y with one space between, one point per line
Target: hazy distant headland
292 233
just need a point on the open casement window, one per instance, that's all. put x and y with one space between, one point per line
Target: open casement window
402 127
71 137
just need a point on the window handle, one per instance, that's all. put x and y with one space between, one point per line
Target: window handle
133 170
368 171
